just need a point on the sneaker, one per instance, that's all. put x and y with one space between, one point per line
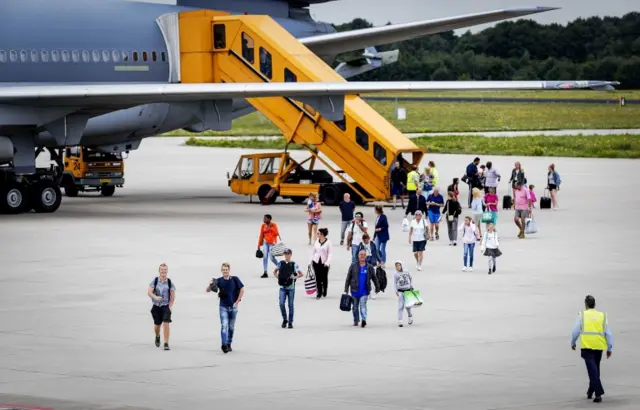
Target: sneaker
284 324
598 399
455 244
410 320
264 275
341 243
400 323
166 346
290 326
419 267
356 323
470 268
229 348
374 296
494 267
489 271
225 349
157 341
464 268
364 323
437 236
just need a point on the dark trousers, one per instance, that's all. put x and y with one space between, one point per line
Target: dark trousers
322 278
592 360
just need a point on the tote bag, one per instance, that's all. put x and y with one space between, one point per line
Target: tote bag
310 281
412 299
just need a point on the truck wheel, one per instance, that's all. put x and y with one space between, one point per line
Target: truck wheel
331 195
108 190
70 190
266 195
298 199
14 198
46 196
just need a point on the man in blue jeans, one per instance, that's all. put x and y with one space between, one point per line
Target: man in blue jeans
359 278
230 291
287 272
435 201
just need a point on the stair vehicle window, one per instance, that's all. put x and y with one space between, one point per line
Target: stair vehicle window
342 124
244 170
362 138
289 77
248 48
269 165
219 36
380 153
265 63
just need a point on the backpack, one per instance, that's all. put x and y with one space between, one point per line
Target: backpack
155 283
285 271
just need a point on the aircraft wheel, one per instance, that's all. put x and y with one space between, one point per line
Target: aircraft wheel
267 195
15 197
46 196
108 190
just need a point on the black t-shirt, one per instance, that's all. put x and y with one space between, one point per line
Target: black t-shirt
229 290
398 176
346 209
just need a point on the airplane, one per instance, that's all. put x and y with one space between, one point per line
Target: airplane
97 73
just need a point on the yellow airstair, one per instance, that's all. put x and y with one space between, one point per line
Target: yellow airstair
216 47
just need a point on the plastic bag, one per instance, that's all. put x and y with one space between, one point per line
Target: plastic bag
406 227
412 299
530 226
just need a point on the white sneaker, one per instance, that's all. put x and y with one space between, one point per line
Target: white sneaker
464 268
410 319
471 269
374 295
399 323
419 267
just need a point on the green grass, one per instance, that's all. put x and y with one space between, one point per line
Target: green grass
604 146
572 94
458 117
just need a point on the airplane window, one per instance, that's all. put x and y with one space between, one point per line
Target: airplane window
154 56
265 63
380 153
362 138
86 56
13 56
248 48
289 77
95 56
75 56
55 56
44 56
65 56
164 56
125 56
23 56
219 36
3 56
106 56
34 56
144 56
115 56
135 56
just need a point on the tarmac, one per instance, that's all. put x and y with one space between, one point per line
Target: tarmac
76 329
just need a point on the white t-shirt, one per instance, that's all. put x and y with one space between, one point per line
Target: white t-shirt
419 230
356 237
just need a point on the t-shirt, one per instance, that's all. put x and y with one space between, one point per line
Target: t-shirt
435 209
346 209
356 237
162 289
522 199
230 289
296 269
402 280
491 198
419 230
362 282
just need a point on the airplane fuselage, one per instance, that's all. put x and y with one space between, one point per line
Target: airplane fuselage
80 41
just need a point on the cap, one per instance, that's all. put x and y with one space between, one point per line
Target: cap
288 251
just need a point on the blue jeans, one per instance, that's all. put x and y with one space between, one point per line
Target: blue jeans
227 323
266 251
354 253
287 294
382 248
468 252
359 308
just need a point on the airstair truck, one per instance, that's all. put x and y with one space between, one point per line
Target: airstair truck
359 149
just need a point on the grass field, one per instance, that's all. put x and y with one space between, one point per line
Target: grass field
573 94
457 117
605 146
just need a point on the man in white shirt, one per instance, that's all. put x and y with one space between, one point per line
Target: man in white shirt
418 236
355 230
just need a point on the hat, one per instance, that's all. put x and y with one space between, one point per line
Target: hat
288 250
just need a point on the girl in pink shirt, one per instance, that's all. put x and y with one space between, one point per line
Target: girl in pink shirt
491 199
533 195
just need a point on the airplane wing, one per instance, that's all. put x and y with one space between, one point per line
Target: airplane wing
336 43
124 95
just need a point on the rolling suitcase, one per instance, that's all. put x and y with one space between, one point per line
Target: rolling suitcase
545 201
507 202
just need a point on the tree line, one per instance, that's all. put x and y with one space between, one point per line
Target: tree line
596 48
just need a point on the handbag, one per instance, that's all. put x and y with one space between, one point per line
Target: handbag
530 226
259 254
487 217
412 298
345 302
278 249
310 281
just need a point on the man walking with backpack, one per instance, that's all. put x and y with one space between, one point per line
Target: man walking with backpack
163 293
287 272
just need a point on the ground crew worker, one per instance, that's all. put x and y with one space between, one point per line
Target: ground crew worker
413 179
595 336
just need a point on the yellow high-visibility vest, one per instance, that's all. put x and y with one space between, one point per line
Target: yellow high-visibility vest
411 184
592 327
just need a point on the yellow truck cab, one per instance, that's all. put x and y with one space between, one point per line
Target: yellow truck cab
89 170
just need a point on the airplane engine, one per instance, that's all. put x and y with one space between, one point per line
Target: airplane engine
6 150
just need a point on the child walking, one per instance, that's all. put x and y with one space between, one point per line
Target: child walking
402 281
533 195
490 246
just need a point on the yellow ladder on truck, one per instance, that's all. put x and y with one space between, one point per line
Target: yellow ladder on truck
222 48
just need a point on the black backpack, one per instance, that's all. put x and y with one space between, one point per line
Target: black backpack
155 283
285 270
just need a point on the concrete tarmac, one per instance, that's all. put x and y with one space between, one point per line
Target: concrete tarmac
76 330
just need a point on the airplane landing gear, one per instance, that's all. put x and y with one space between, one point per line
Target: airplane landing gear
14 198
46 196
